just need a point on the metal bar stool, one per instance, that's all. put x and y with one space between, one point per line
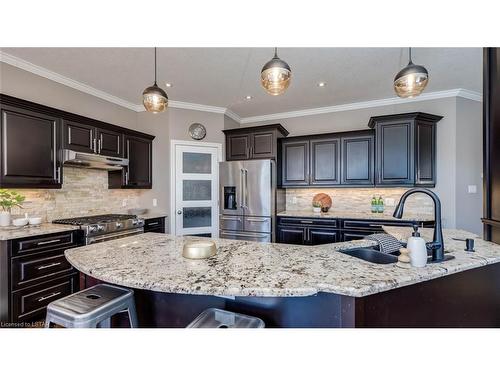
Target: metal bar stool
216 318
92 307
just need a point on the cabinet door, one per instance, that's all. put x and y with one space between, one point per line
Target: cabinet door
109 143
291 235
79 137
425 162
238 147
395 153
325 161
263 145
29 144
295 163
139 153
320 236
358 160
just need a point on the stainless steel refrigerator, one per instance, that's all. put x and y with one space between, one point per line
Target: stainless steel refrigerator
249 200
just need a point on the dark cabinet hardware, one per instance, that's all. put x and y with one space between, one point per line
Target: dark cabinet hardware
256 142
405 149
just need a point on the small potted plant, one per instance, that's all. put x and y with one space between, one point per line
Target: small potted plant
317 207
8 199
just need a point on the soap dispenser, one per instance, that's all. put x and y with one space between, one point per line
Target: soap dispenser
418 249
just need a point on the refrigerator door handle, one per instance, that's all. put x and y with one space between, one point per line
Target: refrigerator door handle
242 189
246 187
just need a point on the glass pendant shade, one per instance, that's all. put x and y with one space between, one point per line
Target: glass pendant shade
154 99
411 80
275 76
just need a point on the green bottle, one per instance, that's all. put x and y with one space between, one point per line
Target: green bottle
374 204
380 205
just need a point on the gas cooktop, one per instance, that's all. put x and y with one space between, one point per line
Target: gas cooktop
96 219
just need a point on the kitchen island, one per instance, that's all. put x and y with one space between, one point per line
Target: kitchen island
299 286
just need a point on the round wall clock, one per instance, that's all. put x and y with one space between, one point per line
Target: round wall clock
197 131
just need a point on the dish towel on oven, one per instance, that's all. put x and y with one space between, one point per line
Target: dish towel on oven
386 242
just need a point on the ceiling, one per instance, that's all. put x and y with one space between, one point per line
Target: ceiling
223 77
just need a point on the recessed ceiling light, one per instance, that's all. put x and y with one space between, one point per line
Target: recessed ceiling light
168 84
248 97
321 84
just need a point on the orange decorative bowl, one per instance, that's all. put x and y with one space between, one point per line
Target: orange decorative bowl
324 200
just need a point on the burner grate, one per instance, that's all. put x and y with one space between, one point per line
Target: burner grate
86 220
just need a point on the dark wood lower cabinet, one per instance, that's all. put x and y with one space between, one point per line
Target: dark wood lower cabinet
156 225
33 273
312 231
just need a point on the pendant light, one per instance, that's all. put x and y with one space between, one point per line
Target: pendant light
154 98
411 80
275 75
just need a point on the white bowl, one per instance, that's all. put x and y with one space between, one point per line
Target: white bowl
35 220
20 222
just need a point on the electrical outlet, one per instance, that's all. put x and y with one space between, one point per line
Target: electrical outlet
155 202
124 203
390 202
294 200
472 189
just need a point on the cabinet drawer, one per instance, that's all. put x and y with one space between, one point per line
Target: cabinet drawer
31 302
26 270
331 223
376 226
258 224
48 242
156 224
228 222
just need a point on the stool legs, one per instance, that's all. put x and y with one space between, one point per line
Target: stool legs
132 315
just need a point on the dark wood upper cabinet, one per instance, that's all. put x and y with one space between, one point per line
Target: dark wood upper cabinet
491 144
257 142
33 137
79 137
358 160
109 143
91 139
139 153
295 162
237 146
325 161
405 149
29 149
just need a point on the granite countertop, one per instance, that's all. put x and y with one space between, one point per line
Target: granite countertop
12 232
337 214
152 215
154 261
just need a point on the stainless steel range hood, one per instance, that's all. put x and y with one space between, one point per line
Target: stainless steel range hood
93 161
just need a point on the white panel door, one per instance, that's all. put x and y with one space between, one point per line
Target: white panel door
196 190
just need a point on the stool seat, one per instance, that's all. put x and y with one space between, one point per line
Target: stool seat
92 307
217 318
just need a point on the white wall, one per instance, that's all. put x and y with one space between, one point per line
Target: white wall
456 141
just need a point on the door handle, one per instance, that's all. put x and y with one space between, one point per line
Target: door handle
257 220
242 189
245 235
94 145
230 218
179 212
246 187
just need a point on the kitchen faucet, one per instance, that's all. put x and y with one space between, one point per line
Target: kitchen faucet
437 244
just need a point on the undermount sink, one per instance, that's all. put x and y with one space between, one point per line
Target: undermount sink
371 255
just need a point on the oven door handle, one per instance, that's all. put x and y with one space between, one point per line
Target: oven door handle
110 236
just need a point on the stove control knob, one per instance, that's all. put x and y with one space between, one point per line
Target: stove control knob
92 229
118 225
134 221
100 228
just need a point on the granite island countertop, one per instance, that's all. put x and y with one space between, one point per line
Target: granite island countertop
13 232
366 215
153 261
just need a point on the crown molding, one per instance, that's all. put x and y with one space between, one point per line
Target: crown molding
233 115
56 77
463 93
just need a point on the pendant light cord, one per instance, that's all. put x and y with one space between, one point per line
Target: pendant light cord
275 52
409 54
155 65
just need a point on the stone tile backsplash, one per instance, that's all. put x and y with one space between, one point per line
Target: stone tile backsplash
357 199
84 192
